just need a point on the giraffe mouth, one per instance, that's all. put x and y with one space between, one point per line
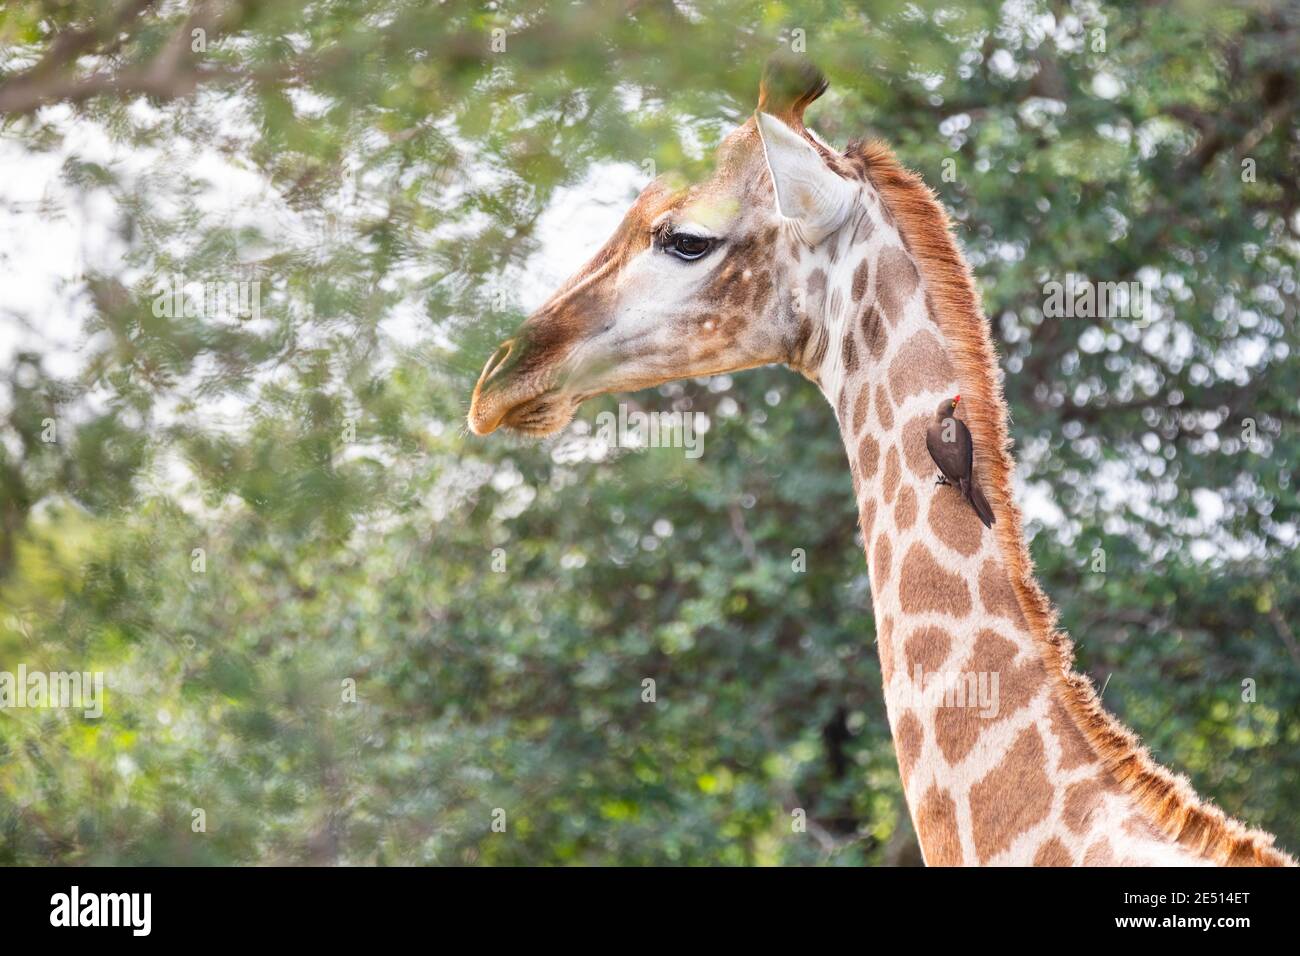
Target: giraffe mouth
535 414
542 415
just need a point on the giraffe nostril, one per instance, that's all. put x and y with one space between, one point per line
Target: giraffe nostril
498 359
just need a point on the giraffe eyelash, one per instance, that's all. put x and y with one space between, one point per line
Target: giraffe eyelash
664 232
668 229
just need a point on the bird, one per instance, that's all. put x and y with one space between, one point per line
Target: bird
949 442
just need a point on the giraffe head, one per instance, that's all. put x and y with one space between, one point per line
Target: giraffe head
693 282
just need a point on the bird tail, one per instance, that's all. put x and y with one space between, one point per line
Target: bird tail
981 504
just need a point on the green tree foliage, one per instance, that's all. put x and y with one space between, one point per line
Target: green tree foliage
349 632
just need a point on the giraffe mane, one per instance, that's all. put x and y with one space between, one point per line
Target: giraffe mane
1168 800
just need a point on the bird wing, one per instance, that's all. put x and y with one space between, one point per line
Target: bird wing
932 445
968 443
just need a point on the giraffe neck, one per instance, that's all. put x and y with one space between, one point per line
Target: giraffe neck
994 769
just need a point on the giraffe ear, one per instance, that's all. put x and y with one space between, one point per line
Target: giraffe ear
808 192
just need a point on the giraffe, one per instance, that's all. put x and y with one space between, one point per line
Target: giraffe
842 266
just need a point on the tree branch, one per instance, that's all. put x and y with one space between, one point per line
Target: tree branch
169 75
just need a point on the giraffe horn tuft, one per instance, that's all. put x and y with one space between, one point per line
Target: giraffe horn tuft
789 84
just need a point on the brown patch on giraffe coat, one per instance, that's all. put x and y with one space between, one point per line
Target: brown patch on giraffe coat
762 291
1011 798
799 344
892 474
815 290
860 407
1075 750
957 729
927 648
731 285
867 518
860 276
896 280
700 324
816 350
884 557
884 411
849 350
997 595
1081 801
1142 829
1053 853
915 453
908 738
925 586
868 456
734 316
920 365
816 340
835 308
955 523
1099 854
739 294
936 829
873 332
865 227
885 640
905 508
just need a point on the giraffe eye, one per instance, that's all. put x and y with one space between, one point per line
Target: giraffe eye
687 247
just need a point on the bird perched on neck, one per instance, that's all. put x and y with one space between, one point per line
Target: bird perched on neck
949 442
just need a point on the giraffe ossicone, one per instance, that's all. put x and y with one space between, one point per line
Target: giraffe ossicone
842 266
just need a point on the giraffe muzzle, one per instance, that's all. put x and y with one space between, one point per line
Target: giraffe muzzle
488 407
527 403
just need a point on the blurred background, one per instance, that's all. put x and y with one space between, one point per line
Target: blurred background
348 632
